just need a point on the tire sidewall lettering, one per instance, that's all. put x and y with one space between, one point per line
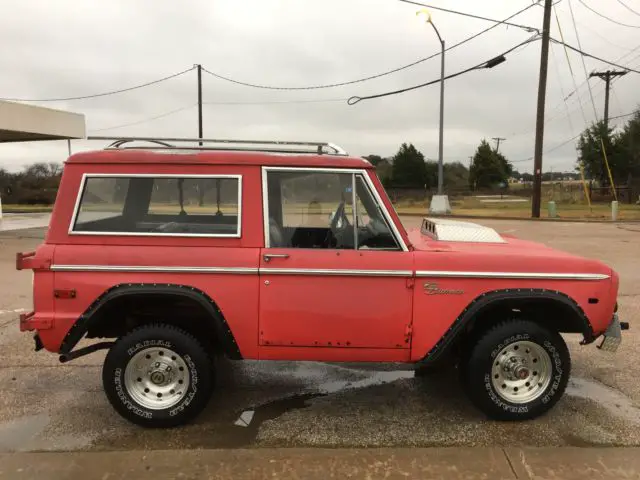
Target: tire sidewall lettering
552 389
145 413
148 343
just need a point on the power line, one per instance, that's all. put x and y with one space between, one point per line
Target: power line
104 94
486 64
145 120
279 102
560 145
581 52
171 112
566 53
608 18
478 17
584 65
628 7
377 75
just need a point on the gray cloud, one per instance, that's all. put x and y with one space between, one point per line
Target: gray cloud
73 47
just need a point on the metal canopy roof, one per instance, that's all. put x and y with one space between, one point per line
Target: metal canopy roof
24 123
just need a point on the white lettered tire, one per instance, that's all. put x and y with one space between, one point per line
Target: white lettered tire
158 376
517 370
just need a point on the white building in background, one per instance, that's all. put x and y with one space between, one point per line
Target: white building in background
20 122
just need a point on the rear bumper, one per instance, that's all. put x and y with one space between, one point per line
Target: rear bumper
32 321
612 337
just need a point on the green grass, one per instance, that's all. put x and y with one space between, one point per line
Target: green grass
466 206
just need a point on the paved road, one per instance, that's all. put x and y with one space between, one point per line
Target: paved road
52 407
17 221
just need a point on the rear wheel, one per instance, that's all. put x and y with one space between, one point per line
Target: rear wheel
157 376
517 370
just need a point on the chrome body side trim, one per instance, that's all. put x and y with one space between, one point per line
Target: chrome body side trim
232 270
86 176
151 269
329 272
512 275
335 272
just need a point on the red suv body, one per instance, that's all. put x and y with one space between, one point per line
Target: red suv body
174 254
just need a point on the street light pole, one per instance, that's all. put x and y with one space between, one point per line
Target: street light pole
441 135
439 203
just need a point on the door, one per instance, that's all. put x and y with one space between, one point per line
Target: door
332 273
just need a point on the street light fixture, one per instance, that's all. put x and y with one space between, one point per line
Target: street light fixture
439 202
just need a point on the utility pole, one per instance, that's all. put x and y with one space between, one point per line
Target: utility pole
199 101
606 76
498 140
542 94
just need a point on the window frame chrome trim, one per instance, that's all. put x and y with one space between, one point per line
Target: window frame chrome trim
86 176
510 275
353 171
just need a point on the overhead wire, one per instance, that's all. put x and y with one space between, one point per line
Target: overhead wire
478 17
559 78
607 18
628 7
145 120
356 99
497 23
566 53
103 94
240 103
584 65
582 52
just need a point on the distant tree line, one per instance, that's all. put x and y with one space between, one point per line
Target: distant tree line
37 184
622 148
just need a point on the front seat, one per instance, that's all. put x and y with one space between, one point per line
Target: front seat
276 237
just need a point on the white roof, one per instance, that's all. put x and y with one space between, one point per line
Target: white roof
20 122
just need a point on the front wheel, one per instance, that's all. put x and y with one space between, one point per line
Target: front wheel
517 370
157 376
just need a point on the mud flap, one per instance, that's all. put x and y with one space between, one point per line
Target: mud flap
613 336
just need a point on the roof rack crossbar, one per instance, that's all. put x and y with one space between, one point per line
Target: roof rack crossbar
225 144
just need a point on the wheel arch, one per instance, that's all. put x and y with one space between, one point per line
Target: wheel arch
210 319
553 309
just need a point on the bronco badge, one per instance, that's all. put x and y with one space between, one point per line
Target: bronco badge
433 289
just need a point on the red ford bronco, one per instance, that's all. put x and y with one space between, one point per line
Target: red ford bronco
293 251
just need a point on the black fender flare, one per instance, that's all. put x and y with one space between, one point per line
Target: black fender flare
496 296
90 317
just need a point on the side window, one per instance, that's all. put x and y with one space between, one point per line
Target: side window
310 209
160 205
322 210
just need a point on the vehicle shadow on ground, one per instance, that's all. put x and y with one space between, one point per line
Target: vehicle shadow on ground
286 404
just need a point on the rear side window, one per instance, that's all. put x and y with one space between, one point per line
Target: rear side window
160 205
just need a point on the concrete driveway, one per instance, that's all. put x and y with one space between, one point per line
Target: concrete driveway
46 406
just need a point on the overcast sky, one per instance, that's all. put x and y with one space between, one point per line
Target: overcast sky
75 47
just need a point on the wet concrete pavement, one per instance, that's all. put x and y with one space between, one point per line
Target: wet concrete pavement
321 464
45 406
19 221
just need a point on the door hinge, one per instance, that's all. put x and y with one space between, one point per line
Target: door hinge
410 282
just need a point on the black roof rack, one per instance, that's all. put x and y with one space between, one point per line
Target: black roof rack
161 143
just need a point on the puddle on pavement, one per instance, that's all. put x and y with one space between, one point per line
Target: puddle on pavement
245 428
612 400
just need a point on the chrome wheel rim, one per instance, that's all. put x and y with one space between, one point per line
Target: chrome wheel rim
157 378
521 372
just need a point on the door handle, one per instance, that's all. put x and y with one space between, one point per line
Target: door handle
268 256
